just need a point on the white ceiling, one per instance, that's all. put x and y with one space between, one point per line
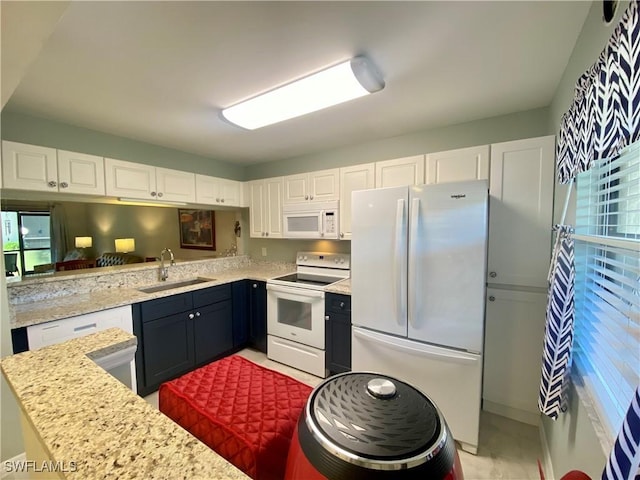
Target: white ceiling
159 72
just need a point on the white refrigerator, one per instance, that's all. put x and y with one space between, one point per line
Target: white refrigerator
418 270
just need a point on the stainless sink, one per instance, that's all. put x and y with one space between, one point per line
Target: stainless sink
169 286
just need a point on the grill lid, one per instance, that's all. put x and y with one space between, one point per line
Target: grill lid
374 416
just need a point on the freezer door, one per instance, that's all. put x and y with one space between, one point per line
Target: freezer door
447 264
451 379
379 259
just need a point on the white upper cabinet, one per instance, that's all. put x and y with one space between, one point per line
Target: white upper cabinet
80 173
217 191
265 208
400 171
31 167
317 186
135 180
458 165
356 177
521 209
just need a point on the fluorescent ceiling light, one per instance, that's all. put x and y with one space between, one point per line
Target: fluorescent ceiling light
343 82
142 203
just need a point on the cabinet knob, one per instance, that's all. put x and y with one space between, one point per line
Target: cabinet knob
255 285
64 184
326 317
493 274
153 194
197 314
191 316
222 200
266 234
492 298
306 197
322 234
159 194
52 184
310 197
217 199
341 304
341 234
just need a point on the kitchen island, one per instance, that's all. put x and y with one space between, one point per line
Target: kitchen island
82 422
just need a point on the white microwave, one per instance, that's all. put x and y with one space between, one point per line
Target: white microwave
311 220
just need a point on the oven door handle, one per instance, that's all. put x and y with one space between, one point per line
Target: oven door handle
301 292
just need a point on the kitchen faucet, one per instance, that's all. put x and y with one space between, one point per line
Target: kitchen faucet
164 271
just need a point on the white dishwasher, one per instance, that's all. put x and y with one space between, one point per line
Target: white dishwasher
120 364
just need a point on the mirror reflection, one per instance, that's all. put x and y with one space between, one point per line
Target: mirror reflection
45 237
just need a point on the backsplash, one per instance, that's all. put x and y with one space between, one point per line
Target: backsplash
62 284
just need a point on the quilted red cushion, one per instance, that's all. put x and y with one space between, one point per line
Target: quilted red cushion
245 412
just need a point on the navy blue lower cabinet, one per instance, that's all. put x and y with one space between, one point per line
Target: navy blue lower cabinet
19 340
258 315
177 333
337 310
240 299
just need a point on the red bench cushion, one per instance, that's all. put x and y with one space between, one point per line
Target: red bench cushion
245 412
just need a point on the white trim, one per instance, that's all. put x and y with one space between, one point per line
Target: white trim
21 457
547 464
516 414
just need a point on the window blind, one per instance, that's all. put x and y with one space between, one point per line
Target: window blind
607 301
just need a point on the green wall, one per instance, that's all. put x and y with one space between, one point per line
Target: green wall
572 440
23 128
531 123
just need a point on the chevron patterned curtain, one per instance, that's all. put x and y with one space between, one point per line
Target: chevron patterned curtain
558 337
605 115
624 461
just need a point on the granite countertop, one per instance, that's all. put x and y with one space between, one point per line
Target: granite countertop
343 287
106 296
82 414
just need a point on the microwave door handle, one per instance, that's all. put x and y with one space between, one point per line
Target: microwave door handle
321 223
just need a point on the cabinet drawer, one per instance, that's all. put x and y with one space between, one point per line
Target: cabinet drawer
338 303
207 296
163 307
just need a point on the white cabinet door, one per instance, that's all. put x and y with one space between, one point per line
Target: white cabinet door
320 186
400 172
175 185
230 192
273 207
217 191
29 167
521 210
514 336
296 188
458 165
257 224
357 177
80 173
127 179
323 185
265 208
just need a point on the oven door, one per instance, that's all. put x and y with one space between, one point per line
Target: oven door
296 314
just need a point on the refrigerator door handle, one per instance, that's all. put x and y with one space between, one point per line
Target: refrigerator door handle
400 265
427 352
413 259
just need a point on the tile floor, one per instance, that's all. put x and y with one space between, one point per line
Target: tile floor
508 449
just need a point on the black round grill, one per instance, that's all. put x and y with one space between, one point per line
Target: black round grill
366 416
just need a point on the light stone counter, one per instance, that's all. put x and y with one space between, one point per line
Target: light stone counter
343 287
95 427
43 299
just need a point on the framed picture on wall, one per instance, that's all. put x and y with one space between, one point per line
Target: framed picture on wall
197 229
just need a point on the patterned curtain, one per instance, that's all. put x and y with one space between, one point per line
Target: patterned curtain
59 236
558 338
605 115
624 461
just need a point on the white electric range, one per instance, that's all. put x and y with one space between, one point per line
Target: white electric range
295 310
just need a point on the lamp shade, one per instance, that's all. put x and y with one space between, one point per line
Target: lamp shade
84 242
125 245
